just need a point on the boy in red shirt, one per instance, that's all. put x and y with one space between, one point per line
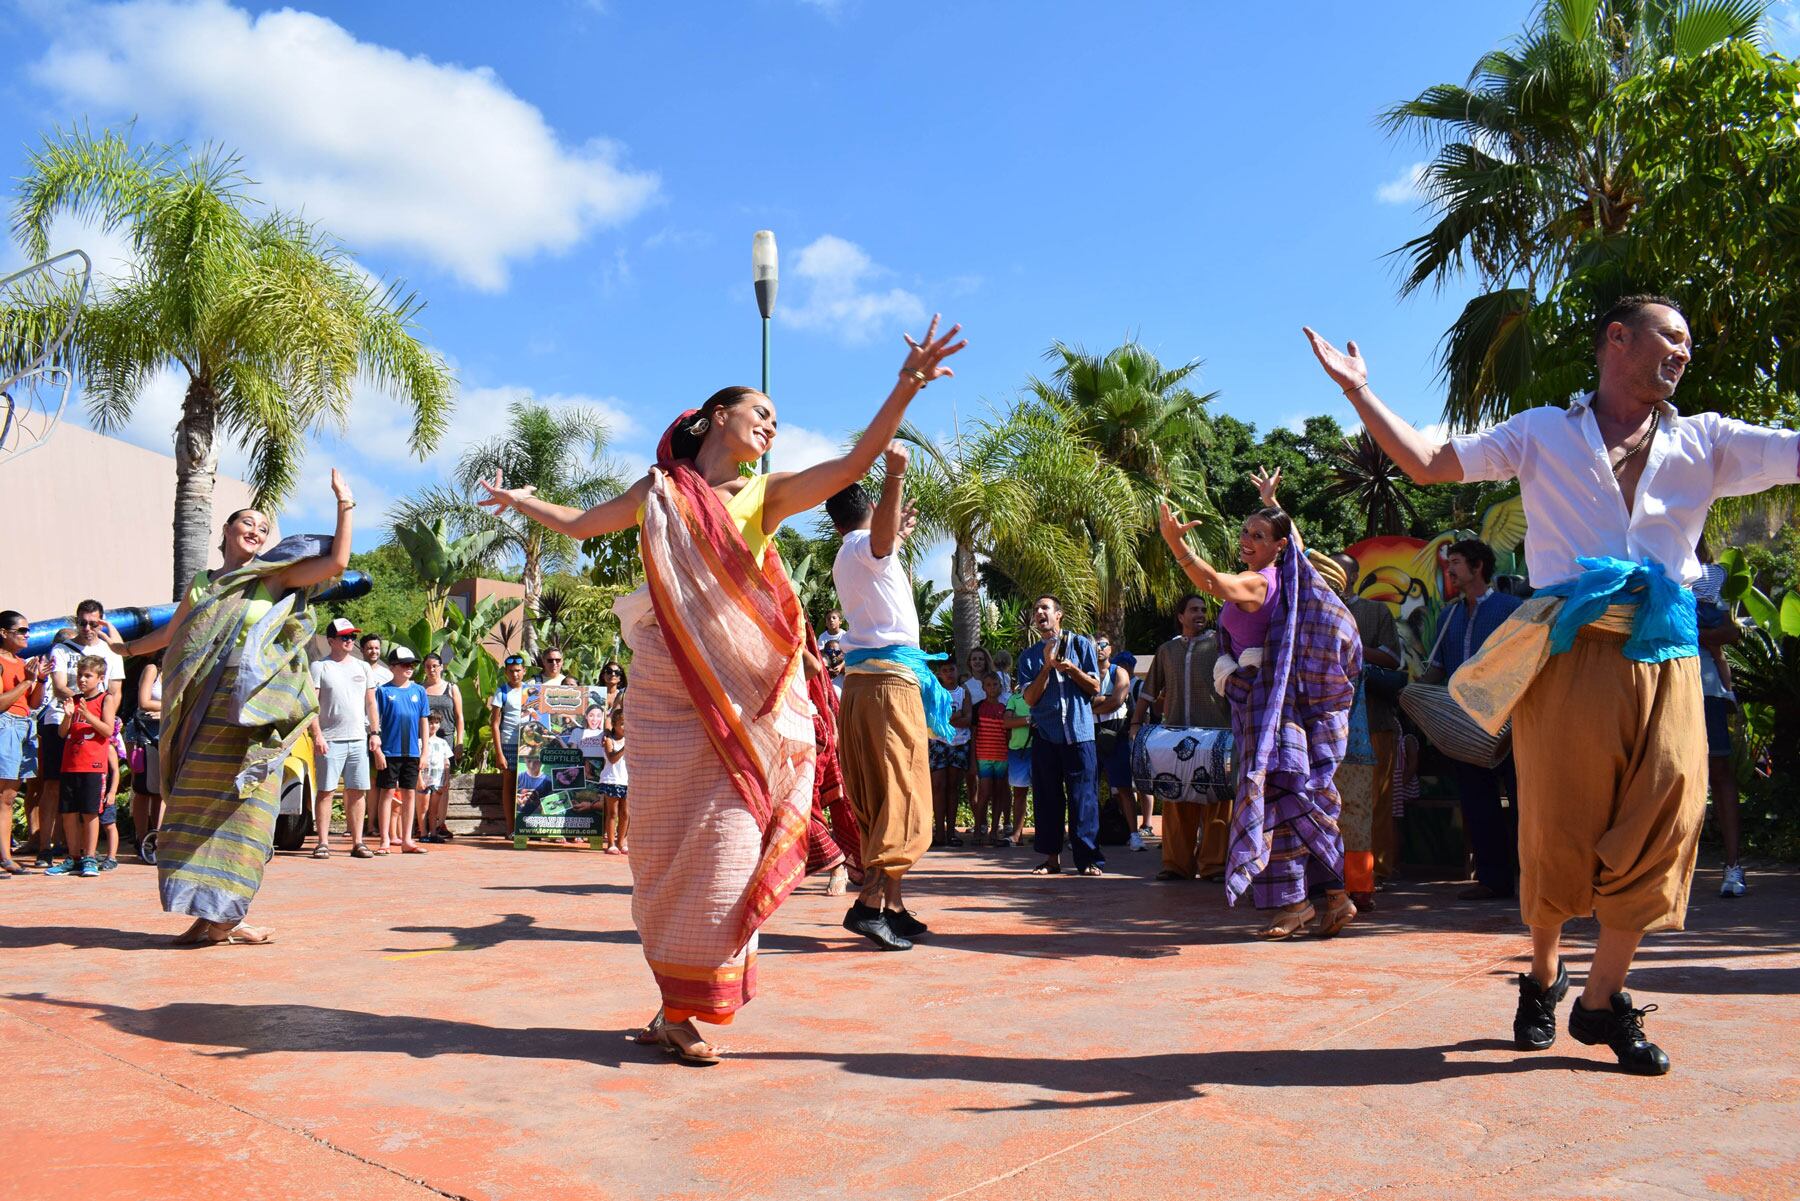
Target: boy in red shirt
88 761
990 761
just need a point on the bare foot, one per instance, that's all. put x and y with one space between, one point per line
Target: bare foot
194 935
839 883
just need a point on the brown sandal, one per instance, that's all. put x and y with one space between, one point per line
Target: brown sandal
1340 914
1287 924
678 1040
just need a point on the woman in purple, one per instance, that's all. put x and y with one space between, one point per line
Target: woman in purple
1289 659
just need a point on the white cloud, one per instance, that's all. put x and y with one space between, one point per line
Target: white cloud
836 294
796 448
1404 188
481 414
383 149
1784 27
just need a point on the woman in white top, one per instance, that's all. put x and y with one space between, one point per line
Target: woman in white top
613 781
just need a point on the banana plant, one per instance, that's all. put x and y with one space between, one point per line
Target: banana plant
441 558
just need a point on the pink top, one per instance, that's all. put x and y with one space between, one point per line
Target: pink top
1246 630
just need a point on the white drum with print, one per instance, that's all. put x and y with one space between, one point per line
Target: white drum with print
1185 763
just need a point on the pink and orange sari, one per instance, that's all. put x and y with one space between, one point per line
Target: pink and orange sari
720 741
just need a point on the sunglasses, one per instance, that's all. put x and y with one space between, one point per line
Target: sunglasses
88 624
16 630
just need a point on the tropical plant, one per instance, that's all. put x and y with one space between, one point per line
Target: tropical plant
1369 480
270 321
442 559
1542 160
559 452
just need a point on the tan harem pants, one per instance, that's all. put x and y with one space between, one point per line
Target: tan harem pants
1611 756
883 752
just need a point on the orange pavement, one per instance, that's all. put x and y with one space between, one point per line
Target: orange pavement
451 1026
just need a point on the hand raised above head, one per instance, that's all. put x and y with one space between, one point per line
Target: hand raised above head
1173 529
340 488
1266 485
1345 367
896 457
924 363
909 521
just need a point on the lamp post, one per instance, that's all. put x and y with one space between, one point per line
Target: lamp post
763 274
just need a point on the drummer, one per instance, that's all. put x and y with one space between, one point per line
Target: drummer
1492 828
1179 692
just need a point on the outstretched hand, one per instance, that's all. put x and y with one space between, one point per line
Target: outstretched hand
1175 531
340 488
1266 483
909 521
500 499
927 357
1347 370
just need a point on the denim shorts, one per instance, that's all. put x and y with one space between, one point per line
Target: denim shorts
1718 727
13 732
1018 767
346 766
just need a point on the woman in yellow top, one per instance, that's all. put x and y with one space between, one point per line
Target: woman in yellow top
236 696
719 732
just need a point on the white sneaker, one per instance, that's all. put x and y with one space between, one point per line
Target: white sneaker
1734 882
1137 842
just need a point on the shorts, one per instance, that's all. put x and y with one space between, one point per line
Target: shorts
149 781
50 745
346 765
945 757
109 816
81 793
615 791
15 731
1018 766
1718 726
1117 767
402 771
990 769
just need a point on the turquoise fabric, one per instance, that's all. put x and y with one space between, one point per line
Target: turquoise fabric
936 699
1666 625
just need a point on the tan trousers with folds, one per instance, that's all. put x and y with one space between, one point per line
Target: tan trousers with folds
886 762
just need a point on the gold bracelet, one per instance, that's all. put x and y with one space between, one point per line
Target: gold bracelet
919 377
344 506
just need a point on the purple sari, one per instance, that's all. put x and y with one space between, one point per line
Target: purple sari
1291 720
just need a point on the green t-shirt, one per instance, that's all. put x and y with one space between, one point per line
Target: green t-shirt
1019 739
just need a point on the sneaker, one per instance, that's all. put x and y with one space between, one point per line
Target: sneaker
108 863
44 861
872 924
1621 1028
1534 1024
1734 882
1137 842
90 867
67 867
903 923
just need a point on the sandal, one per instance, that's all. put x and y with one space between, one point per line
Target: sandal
240 936
12 867
1287 924
361 851
414 850
1092 869
1169 873
321 852
678 1040
1340 913
1047 868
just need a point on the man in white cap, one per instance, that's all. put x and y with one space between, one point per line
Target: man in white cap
340 735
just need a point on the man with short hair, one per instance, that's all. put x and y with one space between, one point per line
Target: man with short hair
1600 671
93 636
1060 676
1180 689
341 731
1367 788
890 707
550 667
379 673
1463 626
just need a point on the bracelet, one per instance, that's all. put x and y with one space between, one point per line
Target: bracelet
1358 388
918 377
344 506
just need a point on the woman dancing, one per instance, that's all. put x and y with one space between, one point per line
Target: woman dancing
236 696
720 738
1288 664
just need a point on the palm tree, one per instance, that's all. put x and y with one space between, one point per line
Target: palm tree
561 453
1148 428
1366 475
1018 492
271 321
1531 166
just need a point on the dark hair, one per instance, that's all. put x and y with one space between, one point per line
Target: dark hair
1182 604
429 656
849 509
90 606
1476 554
613 665
368 638
513 660
10 618
1281 526
1352 569
684 443
1051 597
1629 310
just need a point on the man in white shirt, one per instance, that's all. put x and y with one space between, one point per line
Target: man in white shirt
1608 738
379 672
882 723
340 734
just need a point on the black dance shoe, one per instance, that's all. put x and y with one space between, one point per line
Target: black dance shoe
903 923
872 925
1622 1029
1534 1025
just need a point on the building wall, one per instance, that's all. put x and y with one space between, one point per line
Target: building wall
466 595
51 564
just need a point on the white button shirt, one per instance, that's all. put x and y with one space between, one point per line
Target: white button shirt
1573 505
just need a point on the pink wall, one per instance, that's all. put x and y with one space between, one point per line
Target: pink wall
51 564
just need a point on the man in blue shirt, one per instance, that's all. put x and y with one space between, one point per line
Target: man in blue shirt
1059 678
1464 625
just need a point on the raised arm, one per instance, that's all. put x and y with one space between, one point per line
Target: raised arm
890 512
304 573
1234 588
1424 460
607 517
791 492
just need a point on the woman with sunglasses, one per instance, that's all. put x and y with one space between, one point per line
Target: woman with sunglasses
445 700
21 691
612 683
1289 659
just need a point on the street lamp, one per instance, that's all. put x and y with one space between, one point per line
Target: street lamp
763 274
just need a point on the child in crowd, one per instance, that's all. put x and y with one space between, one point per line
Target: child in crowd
949 760
115 787
403 708
613 780
833 631
506 717
990 763
87 764
1018 759
435 779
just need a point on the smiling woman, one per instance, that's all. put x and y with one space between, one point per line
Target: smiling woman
719 738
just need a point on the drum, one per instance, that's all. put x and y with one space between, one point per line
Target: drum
1185 763
1451 730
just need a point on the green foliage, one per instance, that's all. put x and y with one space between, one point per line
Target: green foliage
1765 670
392 602
441 559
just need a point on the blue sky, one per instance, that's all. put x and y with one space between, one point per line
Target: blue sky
573 187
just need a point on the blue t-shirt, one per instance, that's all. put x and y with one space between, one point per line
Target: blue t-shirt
401 710
1459 638
1064 714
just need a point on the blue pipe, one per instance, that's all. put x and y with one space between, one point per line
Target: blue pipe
134 621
